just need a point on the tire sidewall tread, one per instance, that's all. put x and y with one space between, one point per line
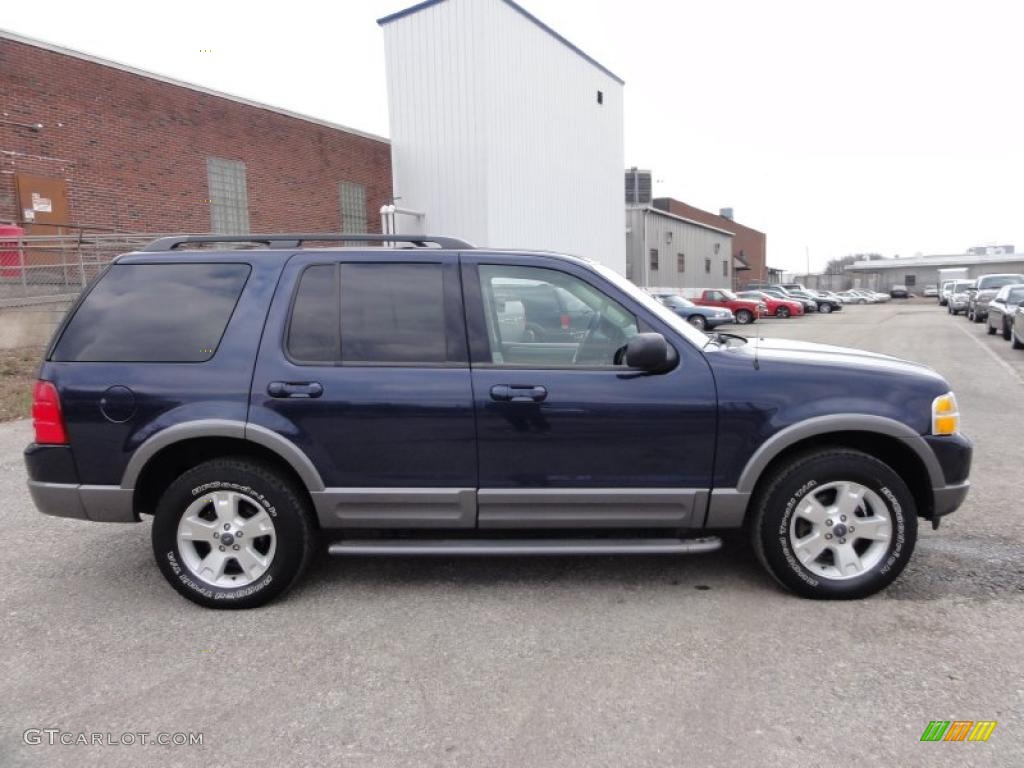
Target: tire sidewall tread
293 522
791 482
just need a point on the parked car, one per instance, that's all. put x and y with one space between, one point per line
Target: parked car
959 295
823 304
775 305
1017 329
539 311
879 297
987 287
944 291
328 390
855 297
832 295
745 310
793 286
930 291
999 318
899 292
779 292
699 317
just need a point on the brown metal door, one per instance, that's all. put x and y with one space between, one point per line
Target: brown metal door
42 204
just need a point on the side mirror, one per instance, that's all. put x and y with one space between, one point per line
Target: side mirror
650 352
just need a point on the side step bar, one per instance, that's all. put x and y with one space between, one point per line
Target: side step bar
448 547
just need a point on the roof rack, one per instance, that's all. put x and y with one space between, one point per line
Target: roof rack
295 240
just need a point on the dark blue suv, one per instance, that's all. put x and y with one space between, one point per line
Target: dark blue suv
257 396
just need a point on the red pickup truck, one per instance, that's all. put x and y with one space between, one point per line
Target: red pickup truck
745 310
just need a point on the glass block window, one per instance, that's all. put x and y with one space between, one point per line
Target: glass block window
352 198
229 201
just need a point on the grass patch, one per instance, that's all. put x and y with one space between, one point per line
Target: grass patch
17 373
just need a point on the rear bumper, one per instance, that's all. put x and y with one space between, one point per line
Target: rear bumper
99 503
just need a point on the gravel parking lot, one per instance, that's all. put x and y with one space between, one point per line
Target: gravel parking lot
588 662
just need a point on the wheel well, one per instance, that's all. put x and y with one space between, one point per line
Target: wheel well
891 450
170 462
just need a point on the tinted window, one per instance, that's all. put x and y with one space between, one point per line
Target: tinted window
143 313
313 333
392 313
389 313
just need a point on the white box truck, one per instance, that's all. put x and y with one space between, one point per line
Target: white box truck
948 276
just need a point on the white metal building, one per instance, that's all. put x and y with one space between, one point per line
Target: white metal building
916 272
502 131
668 251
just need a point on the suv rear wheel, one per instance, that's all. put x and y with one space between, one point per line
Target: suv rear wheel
232 533
834 524
744 317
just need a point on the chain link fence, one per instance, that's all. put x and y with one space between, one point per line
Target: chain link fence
42 275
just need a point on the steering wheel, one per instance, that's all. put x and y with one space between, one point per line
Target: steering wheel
596 323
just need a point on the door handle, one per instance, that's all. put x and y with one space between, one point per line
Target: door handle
508 393
306 389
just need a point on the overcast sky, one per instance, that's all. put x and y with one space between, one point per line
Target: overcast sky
892 126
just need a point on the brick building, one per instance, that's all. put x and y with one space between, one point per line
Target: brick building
749 246
88 143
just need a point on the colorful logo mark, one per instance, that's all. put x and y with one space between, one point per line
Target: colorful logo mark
958 730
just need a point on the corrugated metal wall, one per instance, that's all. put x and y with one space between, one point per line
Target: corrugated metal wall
497 134
699 246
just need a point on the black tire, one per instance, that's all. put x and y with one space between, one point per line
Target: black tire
990 328
697 321
978 318
744 317
777 501
1006 331
782 312
1015 343
825 308
293 523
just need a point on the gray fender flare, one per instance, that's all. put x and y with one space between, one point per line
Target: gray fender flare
727 506
189 430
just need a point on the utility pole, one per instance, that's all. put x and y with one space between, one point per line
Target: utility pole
807 253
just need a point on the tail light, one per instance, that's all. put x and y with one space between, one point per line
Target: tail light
564 320
46 416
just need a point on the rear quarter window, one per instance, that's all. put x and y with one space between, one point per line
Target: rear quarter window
151 313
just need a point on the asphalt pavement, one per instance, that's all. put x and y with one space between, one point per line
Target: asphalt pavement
625 661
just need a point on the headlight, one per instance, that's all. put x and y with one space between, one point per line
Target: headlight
945 415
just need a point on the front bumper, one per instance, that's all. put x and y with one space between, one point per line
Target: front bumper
954 454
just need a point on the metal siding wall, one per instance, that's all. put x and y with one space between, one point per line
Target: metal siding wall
497 134
695 241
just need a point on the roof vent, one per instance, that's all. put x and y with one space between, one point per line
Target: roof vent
638 187
725 213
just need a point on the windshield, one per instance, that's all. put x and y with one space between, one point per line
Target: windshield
962 286
675 301
998 281
728 294
655 307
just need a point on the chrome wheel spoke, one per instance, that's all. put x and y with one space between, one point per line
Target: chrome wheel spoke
195 528
849 498
876 528
225 505
810 547
212 566
848 562
258 525
252 563
813 510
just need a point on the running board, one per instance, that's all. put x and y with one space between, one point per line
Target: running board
474 547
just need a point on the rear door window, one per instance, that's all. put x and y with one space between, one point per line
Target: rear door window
369 314
152 313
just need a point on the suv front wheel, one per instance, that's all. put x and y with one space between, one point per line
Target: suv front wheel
232 533
834 524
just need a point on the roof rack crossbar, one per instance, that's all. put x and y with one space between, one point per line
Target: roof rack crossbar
295 240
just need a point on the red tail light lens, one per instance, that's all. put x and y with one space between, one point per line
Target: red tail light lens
564 320
46 416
